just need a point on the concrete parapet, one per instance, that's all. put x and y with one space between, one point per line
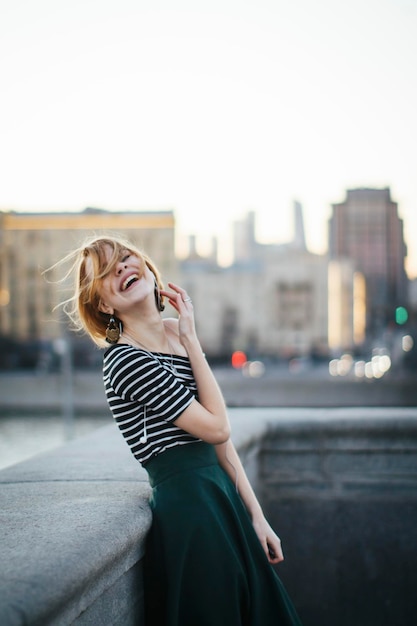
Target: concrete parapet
341 489
73 525
339 485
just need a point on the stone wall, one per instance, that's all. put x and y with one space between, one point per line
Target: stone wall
339 486
342 492
73 523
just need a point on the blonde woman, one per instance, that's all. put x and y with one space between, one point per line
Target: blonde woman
210 549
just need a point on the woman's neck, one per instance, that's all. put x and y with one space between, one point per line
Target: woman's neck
149 334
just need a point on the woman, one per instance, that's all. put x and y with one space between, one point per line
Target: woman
210 548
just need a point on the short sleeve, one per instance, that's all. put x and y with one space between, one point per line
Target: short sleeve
136 375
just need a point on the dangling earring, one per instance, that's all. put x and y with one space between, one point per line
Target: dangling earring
113 331
158 299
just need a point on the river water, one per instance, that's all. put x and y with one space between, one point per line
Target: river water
22 437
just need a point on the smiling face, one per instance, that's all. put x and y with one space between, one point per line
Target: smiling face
127 281
113 276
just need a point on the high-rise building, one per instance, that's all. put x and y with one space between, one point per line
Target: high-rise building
271 301
33 242
367 229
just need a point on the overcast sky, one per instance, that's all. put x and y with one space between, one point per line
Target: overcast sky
210 108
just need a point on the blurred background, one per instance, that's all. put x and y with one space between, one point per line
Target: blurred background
262 153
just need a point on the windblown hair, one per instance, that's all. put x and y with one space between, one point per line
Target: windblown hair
90 264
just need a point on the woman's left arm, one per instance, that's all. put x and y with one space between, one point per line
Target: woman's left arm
231 463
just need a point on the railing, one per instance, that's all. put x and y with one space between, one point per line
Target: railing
338 485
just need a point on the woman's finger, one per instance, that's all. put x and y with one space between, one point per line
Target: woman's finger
179 296
181 292
274 554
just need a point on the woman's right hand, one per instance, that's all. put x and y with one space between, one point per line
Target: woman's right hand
181 302
205 418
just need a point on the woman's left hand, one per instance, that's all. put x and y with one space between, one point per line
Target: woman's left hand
270 542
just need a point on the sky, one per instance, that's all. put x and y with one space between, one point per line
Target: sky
209 108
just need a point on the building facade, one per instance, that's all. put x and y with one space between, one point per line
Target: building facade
346 307
274 300
271 301
33 242
366 228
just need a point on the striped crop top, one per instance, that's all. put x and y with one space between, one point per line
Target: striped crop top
147 392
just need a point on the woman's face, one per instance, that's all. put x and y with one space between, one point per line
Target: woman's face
128 283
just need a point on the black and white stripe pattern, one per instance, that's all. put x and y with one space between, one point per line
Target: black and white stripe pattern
139 382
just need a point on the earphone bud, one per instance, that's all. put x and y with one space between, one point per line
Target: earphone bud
143 439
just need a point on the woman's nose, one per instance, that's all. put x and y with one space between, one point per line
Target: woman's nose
120 267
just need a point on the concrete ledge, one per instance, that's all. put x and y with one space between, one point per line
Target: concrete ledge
73 526
74 520
340 487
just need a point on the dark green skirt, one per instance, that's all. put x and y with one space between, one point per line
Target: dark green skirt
204 563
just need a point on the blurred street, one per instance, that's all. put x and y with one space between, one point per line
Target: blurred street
300 384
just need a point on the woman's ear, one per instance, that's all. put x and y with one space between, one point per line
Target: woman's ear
105 308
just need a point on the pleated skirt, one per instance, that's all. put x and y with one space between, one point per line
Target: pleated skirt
204 564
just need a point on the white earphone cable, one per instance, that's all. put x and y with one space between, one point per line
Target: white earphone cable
144 437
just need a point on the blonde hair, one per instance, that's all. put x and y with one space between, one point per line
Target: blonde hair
90 265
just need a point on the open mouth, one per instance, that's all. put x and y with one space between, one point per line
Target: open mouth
128 282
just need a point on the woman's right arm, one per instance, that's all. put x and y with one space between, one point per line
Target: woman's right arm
206 418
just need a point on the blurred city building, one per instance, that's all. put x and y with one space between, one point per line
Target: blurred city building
347 306
367 230
273 299
33 242
412 297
